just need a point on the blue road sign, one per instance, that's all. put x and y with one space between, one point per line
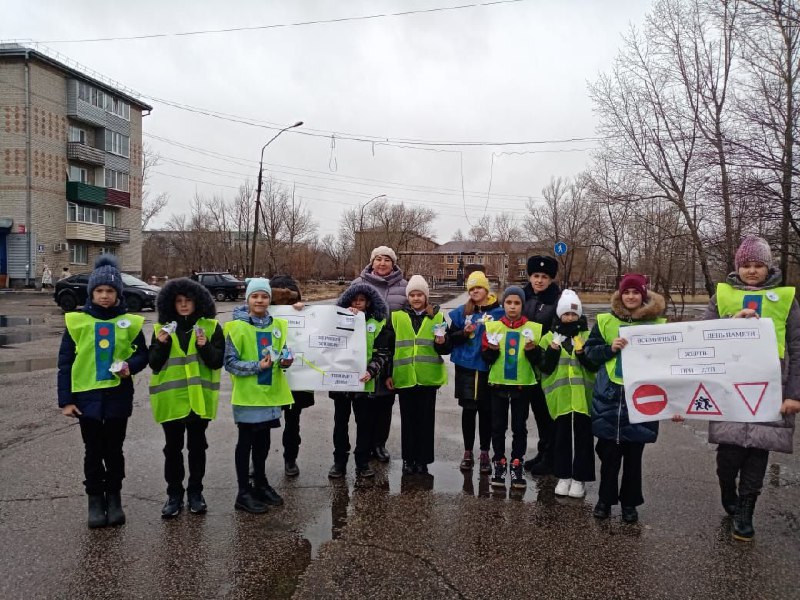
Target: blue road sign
560 248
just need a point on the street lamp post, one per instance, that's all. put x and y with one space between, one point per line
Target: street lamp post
258 197
361 228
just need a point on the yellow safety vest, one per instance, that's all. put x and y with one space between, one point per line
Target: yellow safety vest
185 384
774 303
415 359
98 344
267 388
512 367
374 327
569 388
608 324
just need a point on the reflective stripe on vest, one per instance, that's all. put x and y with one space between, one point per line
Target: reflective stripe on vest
731 300
374 328
98 344
512 366
266 388
569 388
185 384
415 359
608 324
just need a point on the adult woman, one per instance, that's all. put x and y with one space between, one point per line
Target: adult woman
384 275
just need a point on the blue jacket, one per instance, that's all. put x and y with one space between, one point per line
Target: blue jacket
609 409
105 403
466 350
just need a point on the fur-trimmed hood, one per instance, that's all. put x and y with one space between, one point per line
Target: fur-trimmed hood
285 290
203 302
377 307
652 308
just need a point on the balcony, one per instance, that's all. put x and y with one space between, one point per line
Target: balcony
116 235
90 232
83 192
118 198
85 153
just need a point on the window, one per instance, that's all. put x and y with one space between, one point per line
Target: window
78 254
470 260
101 99
450 259
450 273
77 213
479 259
116 180
116 143
521 273
107 250
78 174
521 260
76 134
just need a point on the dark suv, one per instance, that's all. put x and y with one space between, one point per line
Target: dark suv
70 293
223 286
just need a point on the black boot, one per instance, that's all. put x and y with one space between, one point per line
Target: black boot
743 519
729 497
115 514
247 502
97 511
173 506
381 454
197 504
265 493
337 471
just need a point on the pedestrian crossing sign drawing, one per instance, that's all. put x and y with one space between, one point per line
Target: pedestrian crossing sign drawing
702 403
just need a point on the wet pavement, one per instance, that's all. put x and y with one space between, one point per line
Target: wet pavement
444 536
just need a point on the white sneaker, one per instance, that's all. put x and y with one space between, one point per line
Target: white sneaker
577 489
563 487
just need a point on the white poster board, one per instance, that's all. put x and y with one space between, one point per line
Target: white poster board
721 370
329 346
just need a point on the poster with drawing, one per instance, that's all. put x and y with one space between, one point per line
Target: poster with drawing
329 346
721 370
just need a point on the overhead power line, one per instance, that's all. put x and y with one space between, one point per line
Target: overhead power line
404 13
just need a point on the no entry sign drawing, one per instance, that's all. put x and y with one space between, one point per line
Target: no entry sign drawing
722 370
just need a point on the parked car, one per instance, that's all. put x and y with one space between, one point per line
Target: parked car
70 293
222 285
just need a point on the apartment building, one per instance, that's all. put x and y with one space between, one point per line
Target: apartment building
70 168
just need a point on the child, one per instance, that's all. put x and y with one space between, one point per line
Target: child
620 443
101 348
361 297
753 290
510 377
567 383
418 371
472 372
255 353
186 354
285 291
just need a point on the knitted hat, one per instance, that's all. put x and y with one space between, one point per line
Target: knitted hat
634 281
514 290
753 248
257 284
542 264
477 279
383 251
106 272
417 283
569 302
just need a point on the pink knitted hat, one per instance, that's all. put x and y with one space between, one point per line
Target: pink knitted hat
753 248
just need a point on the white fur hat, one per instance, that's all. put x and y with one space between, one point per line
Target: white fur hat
383 251
417 283
569 302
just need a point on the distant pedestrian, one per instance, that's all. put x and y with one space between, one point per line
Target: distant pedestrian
418 371
568 378
186 354
743 450
472 372
510 347
65 273
47 277
255 356
102 347
620 443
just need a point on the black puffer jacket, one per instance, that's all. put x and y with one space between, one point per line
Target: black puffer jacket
541 307
212 353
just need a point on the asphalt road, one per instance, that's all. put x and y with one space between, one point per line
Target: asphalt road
444 537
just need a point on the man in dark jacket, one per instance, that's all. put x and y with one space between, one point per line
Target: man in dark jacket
541 297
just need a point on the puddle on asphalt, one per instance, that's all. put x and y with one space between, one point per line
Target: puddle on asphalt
28 366
444 478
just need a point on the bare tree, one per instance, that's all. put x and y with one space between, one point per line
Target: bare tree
152 205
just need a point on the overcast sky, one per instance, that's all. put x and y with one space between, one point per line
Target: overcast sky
501 73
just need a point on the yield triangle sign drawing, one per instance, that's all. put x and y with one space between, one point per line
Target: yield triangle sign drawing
752 394
702 403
